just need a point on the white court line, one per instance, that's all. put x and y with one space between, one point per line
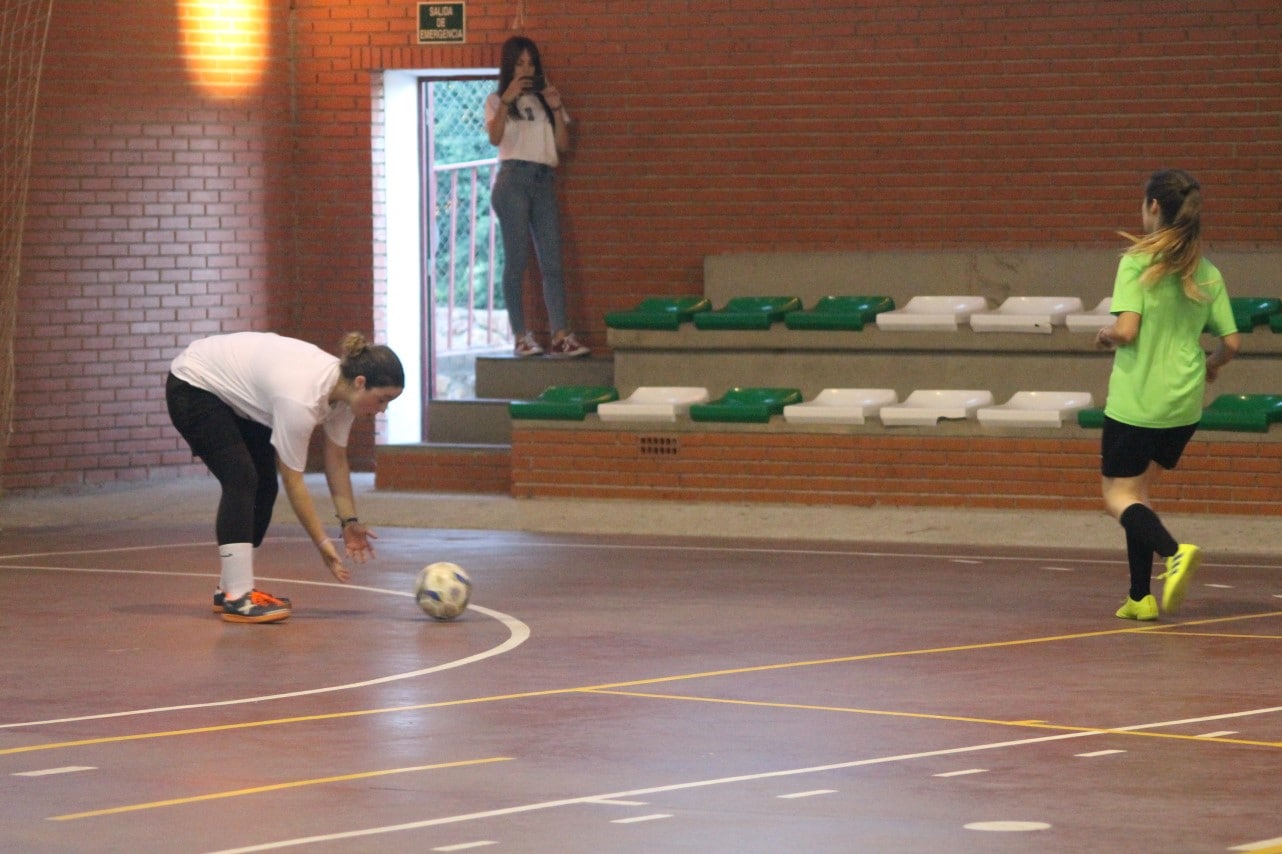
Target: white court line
696 784
463 846
812 793
962 773
518 633
639 818
113 550
66 769
978 558
1098 753
1217 734
649 547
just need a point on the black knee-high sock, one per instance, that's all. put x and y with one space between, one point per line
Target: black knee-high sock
1141 521
1140 558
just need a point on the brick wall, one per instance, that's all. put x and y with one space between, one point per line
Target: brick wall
156 215
1215 476
159 213
445 469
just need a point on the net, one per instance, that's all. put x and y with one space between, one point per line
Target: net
24 27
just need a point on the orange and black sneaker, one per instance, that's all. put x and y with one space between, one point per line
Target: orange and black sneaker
220 598
255 607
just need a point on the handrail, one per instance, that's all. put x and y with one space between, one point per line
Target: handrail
456 287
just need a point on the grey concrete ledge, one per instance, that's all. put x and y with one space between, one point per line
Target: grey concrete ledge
193 500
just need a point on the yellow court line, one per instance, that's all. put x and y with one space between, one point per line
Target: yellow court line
656 680
1220 635
936 717
327 716
342 778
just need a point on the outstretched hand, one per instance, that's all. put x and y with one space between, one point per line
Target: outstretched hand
356 539
334 562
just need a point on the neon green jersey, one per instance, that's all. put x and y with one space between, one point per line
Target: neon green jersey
1159 379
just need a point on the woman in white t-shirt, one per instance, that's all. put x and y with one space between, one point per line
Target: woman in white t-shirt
527 120
247 404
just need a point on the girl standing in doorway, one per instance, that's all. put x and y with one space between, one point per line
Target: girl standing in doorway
528 122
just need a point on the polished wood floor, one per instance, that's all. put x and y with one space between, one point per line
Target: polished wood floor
608 694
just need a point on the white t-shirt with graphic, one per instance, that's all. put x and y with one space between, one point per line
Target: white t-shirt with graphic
532 137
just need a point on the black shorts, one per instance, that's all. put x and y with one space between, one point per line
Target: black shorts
1126 450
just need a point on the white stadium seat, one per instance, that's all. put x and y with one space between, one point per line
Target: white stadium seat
1093 320
841 406
925 407
1026 314
932 313
1035 409
653 403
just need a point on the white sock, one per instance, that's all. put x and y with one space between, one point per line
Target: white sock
237 573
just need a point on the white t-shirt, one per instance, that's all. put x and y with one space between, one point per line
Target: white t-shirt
531 138
279 382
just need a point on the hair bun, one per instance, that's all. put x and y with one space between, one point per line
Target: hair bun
354 344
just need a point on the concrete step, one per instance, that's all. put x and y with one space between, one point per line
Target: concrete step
469 422
510 378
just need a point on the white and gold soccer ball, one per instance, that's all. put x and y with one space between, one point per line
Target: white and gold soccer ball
443 590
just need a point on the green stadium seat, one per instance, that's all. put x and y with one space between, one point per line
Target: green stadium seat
1091 417
1247 413
1275 322
563 402
746 405
1250 312
1243 413
747 313
839 312
658 313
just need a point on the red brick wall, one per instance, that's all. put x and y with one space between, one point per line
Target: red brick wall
158 214
1236 477
445 469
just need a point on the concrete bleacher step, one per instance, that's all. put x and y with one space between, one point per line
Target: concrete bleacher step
484 420
510 378
469 422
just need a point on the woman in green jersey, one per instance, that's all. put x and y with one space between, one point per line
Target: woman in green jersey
1165 295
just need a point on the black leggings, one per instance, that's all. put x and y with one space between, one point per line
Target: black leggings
237 451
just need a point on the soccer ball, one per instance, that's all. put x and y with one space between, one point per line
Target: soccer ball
443 590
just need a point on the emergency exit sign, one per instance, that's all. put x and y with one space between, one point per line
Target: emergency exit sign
442 23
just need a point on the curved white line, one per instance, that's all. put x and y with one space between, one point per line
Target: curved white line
518 633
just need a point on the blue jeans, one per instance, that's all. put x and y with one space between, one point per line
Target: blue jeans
524 198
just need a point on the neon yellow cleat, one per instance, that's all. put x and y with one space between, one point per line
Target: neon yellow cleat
1180 568
1145 609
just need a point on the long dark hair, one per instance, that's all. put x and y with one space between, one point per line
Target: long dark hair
1176 246
512 50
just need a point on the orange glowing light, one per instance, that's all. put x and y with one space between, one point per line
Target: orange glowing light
225 43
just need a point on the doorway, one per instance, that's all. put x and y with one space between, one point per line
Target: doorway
444 260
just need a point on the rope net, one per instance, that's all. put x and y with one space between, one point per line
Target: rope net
24 27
